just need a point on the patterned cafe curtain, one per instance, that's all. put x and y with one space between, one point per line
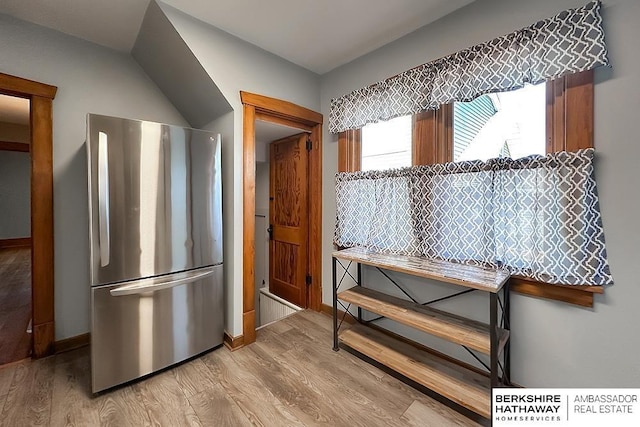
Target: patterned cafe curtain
569 42
537 216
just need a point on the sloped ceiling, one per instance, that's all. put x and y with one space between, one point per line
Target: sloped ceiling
170 63
319 35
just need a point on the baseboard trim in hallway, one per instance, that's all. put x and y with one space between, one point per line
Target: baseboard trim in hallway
22 242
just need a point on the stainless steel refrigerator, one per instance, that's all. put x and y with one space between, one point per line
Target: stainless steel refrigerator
155 211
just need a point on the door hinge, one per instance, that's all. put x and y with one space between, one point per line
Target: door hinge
308 280
309 144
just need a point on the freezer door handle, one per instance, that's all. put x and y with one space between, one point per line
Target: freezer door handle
103 200
156 284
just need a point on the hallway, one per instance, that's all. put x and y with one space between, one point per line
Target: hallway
15 304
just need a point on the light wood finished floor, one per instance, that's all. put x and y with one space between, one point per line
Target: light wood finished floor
15 304
289 377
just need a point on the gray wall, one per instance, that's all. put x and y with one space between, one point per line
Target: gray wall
262 238
89 79
15 179
15 195
262 187
235 65
554 344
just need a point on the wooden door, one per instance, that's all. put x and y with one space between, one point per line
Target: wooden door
288 219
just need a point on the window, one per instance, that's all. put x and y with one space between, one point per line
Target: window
567 124
386 145
507 124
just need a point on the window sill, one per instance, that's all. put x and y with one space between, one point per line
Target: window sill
577 295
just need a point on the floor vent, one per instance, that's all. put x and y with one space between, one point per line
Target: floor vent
273 308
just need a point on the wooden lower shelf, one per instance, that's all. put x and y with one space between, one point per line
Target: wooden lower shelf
462 386
453 328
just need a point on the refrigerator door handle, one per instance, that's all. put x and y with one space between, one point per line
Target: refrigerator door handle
152 285
103 200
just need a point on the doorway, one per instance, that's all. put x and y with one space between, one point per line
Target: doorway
258 108
282 212
40 97
15 230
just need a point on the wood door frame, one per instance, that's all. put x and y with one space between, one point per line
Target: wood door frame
41 98
285 113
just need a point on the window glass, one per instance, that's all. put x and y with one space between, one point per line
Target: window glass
506 124
387 145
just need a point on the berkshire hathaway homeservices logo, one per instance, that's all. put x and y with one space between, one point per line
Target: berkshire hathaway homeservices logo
527 407
565 407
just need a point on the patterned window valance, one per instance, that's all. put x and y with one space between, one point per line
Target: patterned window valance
570 42
537 216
